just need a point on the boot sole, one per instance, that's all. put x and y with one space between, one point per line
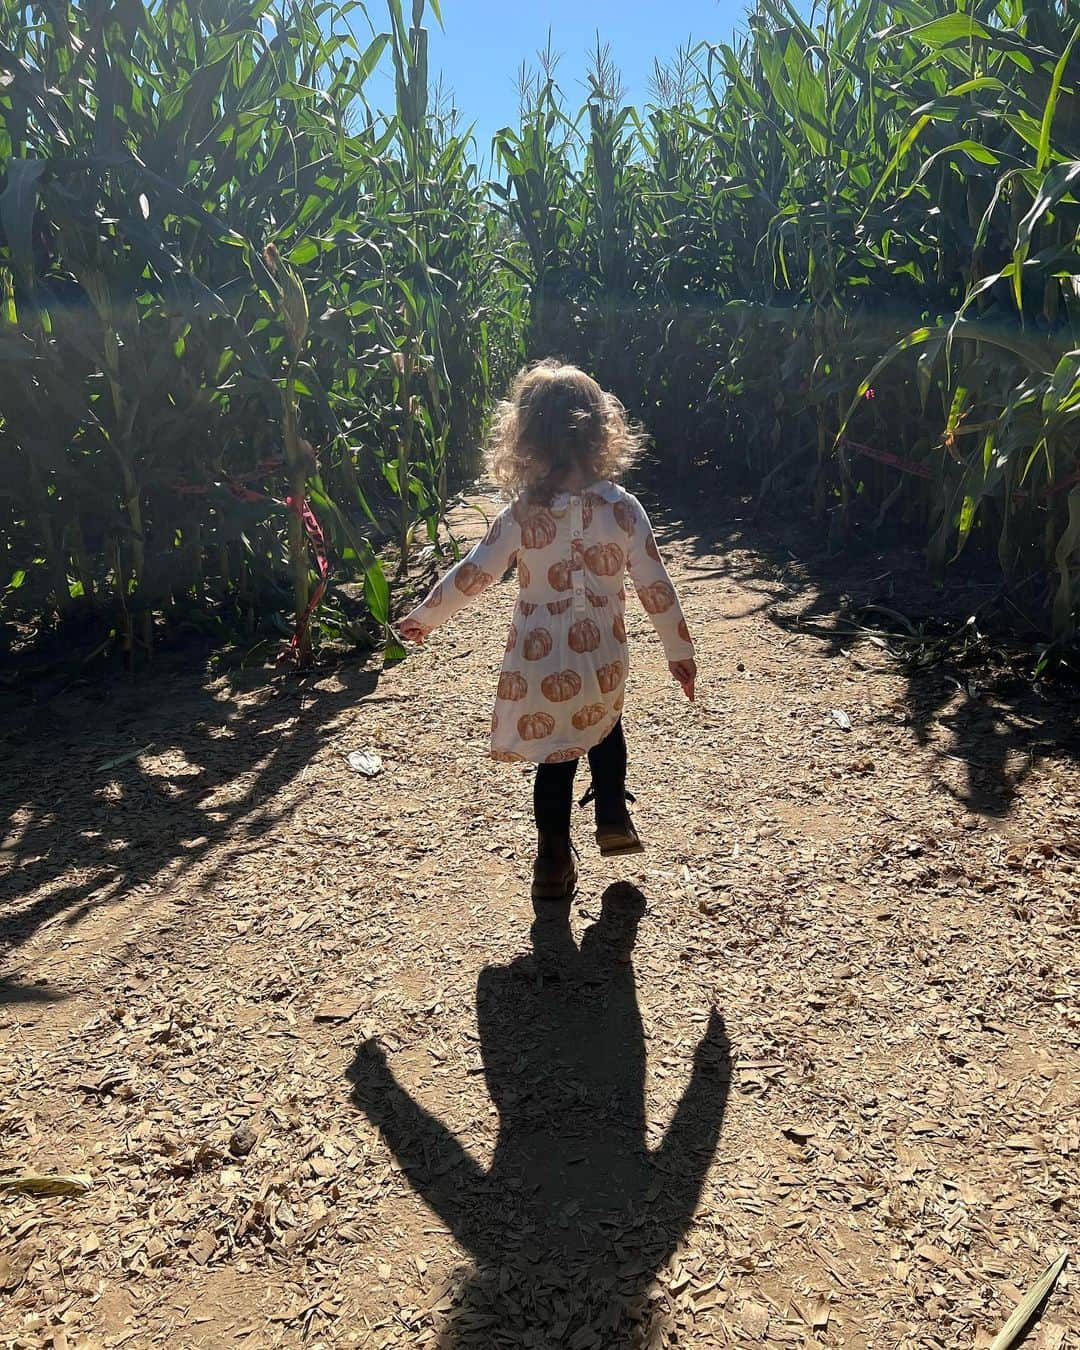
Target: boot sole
619 847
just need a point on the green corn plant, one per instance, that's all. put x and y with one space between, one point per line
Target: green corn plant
843 252
293 305
838 255
542 199
148 152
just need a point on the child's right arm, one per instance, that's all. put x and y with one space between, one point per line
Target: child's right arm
485 564
659 599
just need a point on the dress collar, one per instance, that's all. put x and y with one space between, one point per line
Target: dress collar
603 487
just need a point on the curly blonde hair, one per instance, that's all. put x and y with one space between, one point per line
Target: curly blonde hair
555 420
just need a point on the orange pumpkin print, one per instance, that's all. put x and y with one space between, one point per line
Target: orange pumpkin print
609 677
566 684
535 726
584 636
512 686
538 644
470 580
559 578
538 528
605 560
565 666
657 598
562 756
589 715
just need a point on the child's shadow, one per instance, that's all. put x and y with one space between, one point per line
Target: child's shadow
575 1215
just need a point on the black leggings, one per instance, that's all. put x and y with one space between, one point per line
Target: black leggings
553 789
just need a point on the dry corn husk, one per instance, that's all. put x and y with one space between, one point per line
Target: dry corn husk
1011 1332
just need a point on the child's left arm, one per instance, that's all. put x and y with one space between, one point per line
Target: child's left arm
660 600
469 578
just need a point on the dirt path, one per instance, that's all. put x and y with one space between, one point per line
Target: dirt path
292 1025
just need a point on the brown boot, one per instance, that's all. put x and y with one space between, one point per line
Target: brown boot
554 873
617 838
615 833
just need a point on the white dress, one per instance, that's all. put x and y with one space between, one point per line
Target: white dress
564 674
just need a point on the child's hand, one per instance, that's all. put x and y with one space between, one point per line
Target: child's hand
686 673
413 631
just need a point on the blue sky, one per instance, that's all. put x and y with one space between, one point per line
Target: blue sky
483 43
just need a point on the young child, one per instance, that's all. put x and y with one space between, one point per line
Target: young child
559 443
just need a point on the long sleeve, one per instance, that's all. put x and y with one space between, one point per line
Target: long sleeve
484 564
654 587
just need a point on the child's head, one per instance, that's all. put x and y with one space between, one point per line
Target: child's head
558 424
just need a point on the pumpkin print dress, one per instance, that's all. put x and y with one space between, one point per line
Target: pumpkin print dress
564 674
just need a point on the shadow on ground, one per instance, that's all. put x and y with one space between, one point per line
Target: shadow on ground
11 991
77 834
994 719
575 1215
